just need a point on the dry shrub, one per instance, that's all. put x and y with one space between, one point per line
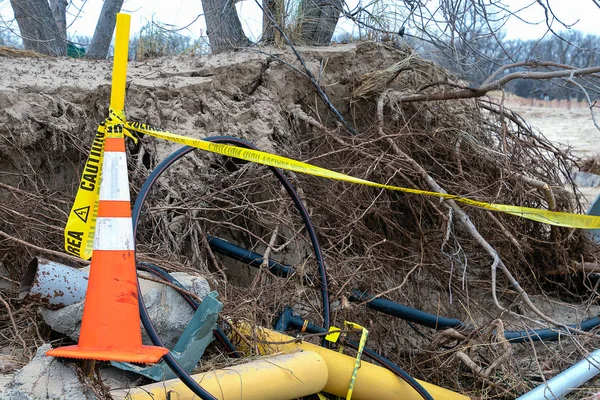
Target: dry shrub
414 249
591 165
6 51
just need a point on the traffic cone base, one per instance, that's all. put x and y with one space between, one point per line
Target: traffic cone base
143 354
110 329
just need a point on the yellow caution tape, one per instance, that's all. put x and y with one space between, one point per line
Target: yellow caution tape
81 224
79 231
333 335
361 347
557 218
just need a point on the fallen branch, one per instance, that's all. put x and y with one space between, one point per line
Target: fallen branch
498 84
587 97
43 250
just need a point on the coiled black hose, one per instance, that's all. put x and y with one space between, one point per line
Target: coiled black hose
274 266
147 323
178 154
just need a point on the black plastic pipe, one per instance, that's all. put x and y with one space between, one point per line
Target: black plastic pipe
406 313
248 257
436 322
549 334
400 310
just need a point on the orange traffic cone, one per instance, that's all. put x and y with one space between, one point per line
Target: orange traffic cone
110 329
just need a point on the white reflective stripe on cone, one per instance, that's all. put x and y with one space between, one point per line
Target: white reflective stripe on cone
113 234
115 182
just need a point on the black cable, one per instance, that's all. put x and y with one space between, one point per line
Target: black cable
147 323
178 154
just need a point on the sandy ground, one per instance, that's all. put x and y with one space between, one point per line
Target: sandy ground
572 128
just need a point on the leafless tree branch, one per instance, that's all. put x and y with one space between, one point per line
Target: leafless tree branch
499 83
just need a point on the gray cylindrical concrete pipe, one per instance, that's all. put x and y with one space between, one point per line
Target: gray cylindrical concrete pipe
52 284
60 290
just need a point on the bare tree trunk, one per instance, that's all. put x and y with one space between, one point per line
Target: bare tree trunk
104 29
38 28
319 18
223 26
59 11
276 10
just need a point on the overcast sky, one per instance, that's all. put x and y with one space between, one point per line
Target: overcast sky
180 13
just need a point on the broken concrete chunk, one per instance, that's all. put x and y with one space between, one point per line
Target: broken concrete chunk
46 378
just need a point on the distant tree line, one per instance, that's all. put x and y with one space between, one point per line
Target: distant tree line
465 36
475 57
43 28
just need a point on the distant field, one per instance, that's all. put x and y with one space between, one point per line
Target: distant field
573 128
570 127
565 122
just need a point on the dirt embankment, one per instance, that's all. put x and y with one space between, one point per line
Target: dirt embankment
411 249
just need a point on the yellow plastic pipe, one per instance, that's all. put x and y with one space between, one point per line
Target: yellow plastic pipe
372 381
119 76
282 377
